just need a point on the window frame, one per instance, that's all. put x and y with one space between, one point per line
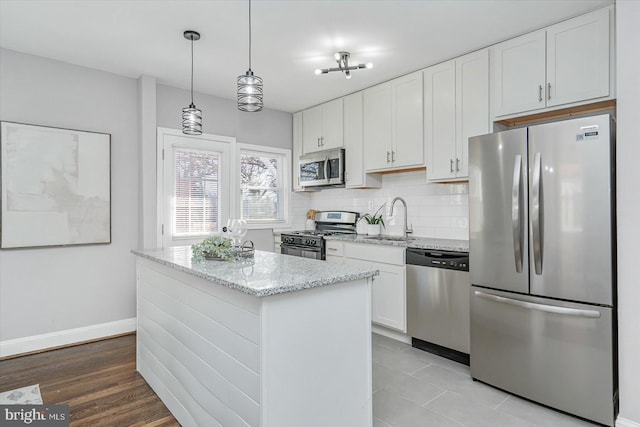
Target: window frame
284 185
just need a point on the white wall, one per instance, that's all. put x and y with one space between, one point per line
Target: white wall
628 177
435 210
54 289
221 117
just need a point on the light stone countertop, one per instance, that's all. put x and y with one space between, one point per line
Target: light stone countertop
412 242
270 274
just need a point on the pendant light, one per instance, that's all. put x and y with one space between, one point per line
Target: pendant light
249 85
192 116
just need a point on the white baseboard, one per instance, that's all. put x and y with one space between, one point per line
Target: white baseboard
66 337
398 336
623 422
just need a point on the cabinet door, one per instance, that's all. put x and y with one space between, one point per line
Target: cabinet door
578 59
440 120
332 125
388 297
296 150
519 71
408 141
354 165
311 129
472 104
377 127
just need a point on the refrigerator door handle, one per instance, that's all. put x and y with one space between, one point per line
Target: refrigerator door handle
592 314
536 212
516 212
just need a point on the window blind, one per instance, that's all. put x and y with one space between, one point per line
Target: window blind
197 192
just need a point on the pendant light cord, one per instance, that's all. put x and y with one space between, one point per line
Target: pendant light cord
192 70
249 34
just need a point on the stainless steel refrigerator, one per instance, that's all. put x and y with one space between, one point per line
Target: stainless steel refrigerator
543 264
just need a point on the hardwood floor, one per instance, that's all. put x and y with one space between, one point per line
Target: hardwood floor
98 381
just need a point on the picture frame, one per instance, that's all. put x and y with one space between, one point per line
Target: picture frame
55 186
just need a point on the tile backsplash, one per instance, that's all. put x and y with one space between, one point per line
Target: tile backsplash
434 210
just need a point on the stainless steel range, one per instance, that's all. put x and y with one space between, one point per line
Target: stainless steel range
311 243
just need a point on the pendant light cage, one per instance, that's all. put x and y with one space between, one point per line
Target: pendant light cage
191 115
250 89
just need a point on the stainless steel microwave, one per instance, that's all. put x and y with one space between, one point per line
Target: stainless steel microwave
323 168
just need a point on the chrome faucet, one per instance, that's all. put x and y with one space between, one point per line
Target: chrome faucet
407 228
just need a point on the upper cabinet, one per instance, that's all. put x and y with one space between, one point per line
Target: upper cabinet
456 106
322 127
393 128
355 175
566 64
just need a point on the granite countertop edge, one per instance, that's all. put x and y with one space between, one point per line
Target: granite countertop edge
412 242
261 292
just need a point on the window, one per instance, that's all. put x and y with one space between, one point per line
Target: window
195 173
264 185
197 192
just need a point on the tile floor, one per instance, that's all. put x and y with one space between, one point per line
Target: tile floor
413 388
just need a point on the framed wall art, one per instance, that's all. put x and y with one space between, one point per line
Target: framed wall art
56 186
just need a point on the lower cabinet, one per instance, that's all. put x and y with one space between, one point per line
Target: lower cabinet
388 293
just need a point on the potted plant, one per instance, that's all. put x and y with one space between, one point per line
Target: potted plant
217 248
374 222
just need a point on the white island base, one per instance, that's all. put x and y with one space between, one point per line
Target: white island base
217 356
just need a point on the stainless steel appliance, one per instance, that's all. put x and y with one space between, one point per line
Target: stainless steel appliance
323 168
543 263
311 243
438 302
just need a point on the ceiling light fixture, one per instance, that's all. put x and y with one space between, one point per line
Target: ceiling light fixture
249 85
192 116
342 58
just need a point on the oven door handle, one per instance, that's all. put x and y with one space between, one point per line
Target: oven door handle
304 248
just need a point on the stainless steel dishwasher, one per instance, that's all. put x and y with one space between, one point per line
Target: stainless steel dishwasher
438 302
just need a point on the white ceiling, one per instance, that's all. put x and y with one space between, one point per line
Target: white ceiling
290 38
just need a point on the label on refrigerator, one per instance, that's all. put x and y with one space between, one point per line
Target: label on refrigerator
587 133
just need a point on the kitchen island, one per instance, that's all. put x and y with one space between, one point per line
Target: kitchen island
280 341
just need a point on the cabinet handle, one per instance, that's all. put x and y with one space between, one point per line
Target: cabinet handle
322 141
451 165
318 143
540 93
457 164
332 249
548 90
388 156
393 156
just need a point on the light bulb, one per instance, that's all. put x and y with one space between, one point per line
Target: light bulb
369 65
318 71
348 73
337 56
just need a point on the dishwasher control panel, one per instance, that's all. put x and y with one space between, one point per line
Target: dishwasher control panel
438 259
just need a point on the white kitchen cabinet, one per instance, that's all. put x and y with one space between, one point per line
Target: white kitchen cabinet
456 106
334 251
377 127
355 175
408 142
322 127
519 74
296 151
393 127
440 119
388 293
578 59
565 64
